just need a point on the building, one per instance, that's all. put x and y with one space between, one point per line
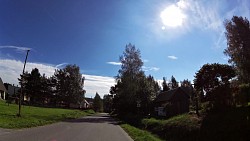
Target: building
172 102
3 90
12 90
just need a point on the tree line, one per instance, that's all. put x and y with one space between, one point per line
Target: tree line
219 86
63 88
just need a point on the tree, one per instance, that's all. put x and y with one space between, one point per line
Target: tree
212 84
47 91
148 90
69 85
174 84
186 83
107 103
97 103
165 85
32 85
238 46
127 80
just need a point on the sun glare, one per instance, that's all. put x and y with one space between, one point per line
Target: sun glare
172 16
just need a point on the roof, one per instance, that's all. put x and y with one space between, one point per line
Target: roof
2 87
89 100
167 95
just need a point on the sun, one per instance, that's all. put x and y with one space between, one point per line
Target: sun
172 16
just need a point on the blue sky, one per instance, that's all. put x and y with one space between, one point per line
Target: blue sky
93 34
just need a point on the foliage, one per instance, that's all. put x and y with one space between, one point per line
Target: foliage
107 103
134 91
186 83
238 46
35 86
165 85
69 85
97 103
127 79
213 79
147 92
139 134
244 93
62 89
35 116
174 84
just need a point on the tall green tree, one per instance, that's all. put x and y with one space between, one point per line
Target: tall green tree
97 103
213 85
127 80
69 85
238 46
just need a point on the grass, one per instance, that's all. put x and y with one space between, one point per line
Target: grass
35 116
181 127
232 124
138 134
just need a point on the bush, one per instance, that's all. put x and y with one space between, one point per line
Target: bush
244 93
181 127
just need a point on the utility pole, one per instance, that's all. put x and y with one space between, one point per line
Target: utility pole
21 94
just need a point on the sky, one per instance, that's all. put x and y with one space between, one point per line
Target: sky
175 37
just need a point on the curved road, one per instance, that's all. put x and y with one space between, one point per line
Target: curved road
100 127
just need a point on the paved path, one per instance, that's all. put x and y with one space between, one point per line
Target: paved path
92 128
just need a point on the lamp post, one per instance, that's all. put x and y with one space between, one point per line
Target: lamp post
21 94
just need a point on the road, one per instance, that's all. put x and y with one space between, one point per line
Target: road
100 127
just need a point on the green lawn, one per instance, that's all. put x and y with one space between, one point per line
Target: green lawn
35 116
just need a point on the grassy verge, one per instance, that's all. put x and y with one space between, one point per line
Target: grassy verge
35 116
181 127
232 124
138 134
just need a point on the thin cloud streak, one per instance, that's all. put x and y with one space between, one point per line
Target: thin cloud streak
172 57
115 63
150 68
61 65
17 48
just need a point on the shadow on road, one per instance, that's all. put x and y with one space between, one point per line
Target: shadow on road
100 118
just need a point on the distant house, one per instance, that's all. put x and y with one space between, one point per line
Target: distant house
86 103
89 103
12 90
3 90
172 102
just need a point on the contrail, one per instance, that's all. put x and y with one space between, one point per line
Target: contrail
16 47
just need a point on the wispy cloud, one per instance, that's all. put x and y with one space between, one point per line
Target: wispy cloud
172 57
61 65
10 70
100 84
19 48
150 68
115 63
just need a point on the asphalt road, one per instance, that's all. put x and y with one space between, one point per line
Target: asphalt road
92 128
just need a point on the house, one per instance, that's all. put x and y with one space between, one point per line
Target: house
12 90
89 103
3 90
86 103
172 102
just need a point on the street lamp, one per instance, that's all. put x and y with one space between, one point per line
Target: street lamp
21 94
